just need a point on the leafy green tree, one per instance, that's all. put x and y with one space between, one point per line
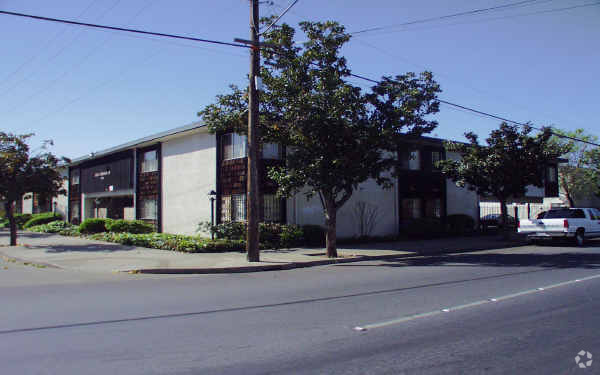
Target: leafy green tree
504 167
579 177
337 135
22 173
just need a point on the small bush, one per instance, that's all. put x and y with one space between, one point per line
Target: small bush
272 235
21 219
95 225
424 227
460 224
52 227
42 218
129 226
314 235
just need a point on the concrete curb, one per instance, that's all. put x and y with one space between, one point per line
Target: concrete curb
28 262
314 263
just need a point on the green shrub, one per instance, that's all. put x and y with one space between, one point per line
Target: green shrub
42 218
129 226
20 219
95 225
173 242
272 235
52 227
231 230
460 224
424 227
314 235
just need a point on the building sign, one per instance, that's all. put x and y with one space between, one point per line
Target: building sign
102 174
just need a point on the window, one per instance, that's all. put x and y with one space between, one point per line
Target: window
271 208
150 161
551 171
411 160
234 146
271 151
436 156
433 208
149 209
75 177
411 208
233 208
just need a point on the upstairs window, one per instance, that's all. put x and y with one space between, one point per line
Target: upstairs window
411 160
436 156
150 161
272 151
234 146
75 177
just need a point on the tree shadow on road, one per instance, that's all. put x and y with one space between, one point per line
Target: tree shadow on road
560 260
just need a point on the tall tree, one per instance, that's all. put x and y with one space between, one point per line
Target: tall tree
504 167
22 173
338 136
579 177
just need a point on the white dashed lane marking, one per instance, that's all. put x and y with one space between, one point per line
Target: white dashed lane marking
403 319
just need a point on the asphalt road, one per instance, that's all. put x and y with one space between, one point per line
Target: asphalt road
307 321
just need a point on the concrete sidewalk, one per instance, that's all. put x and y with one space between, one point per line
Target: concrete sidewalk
87 255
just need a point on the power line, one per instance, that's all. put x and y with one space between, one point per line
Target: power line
554 10
278 18
431 19
70 22
48 41
79 63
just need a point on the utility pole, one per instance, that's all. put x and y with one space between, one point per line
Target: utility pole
253 191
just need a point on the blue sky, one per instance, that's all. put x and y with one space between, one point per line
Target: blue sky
90 89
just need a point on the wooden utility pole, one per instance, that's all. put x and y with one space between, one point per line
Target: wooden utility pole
253 192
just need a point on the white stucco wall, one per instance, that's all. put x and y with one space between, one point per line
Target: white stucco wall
61 201
188 175
27 201
384 201
460 200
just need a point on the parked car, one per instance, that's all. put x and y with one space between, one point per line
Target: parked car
493 220
578 224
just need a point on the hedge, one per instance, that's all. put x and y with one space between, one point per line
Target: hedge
173 242
129 226
52 227
95 225
460 224
42 218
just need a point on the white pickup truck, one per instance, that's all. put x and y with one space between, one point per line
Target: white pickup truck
574 223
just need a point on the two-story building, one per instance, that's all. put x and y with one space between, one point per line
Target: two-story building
170 178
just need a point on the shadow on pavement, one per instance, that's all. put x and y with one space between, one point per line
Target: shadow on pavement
562 260
90 248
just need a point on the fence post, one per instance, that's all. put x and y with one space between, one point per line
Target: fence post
516 213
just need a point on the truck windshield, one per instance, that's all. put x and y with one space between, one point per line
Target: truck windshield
565 214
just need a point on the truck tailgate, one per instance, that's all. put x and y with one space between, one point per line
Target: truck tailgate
541 225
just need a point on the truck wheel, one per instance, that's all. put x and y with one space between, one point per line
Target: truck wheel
579 238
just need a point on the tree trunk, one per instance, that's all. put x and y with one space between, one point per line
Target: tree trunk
570 200
504 219
8 207
331 236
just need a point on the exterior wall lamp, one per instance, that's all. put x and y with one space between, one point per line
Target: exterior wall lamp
212 196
